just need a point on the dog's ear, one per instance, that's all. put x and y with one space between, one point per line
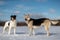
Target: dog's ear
29 15
24 15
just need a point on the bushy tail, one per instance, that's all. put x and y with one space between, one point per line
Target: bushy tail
54 22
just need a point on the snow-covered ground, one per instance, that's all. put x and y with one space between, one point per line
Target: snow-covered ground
22 34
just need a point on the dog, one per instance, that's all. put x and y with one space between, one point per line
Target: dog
35 23
10 24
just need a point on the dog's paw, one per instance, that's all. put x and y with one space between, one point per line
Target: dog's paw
48 34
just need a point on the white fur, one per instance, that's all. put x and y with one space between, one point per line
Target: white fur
54 22
12 24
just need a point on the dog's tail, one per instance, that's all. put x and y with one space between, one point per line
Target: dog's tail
54 22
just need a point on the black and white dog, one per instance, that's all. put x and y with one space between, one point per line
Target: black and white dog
35 23
10 24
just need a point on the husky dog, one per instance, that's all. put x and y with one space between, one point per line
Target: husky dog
10 24
35 23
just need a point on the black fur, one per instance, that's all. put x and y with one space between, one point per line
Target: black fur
37 22
8 23
13 16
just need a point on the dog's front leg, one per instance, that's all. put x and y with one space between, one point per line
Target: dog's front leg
31 31
9 30
14 30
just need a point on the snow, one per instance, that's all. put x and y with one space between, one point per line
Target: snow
22 34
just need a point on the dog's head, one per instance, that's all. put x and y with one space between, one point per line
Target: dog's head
27 17
13 17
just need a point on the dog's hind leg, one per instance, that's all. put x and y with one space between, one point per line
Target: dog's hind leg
47 26
4 29
47 30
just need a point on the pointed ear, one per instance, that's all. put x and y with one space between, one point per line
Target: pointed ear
24 15
28 14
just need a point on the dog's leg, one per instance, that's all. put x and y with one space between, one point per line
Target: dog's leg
4 29
14 30
33 32
30 26
47 29
9 30
47 24
30 32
